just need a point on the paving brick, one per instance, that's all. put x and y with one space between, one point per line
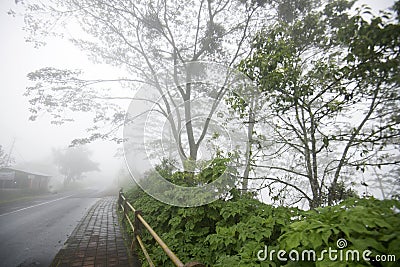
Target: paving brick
97 240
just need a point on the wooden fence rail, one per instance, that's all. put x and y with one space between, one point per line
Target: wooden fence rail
126 207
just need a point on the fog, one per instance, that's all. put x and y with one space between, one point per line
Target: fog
32 141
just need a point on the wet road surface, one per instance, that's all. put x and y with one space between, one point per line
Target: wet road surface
33 231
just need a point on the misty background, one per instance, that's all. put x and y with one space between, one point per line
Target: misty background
31 142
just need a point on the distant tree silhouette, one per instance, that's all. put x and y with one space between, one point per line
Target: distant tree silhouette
74 162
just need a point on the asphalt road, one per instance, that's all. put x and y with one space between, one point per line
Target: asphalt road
33 231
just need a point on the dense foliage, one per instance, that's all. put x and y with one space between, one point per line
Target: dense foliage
232 232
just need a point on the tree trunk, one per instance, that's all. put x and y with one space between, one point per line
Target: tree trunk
248 153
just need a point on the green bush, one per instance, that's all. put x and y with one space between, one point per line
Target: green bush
216 234
232 232
363 224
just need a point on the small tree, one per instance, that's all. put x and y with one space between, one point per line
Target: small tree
74 162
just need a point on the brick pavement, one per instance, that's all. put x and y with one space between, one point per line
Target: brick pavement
97 240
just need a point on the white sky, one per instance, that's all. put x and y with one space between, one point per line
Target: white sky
34 140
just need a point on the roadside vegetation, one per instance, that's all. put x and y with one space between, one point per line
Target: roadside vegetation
232 231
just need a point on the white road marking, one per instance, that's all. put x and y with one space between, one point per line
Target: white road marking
15 211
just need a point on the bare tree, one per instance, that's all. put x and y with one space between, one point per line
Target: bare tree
148 40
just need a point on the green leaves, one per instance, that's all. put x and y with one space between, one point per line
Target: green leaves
232 232
220 233
366 224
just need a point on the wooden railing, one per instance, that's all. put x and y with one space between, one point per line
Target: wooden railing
135 225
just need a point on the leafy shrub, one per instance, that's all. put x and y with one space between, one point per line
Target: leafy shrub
231 232
216 234
364 224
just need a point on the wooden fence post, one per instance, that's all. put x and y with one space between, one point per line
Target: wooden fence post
119 198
